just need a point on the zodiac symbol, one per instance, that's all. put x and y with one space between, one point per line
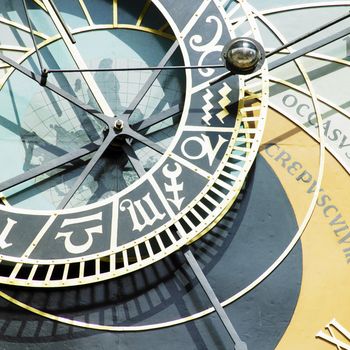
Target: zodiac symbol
174 187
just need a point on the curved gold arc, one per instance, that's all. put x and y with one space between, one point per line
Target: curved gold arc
319 56
14 48
100 327
124 26
327 58
148 30
313 202
300 7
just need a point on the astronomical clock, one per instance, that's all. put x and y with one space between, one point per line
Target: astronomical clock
174 174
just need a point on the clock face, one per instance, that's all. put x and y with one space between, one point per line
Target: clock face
143 165
113 168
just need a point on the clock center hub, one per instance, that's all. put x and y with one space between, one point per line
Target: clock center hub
118 125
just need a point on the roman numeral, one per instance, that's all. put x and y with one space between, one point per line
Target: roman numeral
331 337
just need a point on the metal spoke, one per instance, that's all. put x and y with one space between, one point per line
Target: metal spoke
138 98
110 137
32 33
19 130
157 118
126 69
147 142
309 48
134 160
239 344
48 166
67 96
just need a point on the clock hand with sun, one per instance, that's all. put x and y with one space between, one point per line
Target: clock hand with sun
249 55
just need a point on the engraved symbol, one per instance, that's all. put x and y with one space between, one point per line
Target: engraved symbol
331 338
139 216
196 41
207 107
206 147
89 231
174 187
5 233
224 102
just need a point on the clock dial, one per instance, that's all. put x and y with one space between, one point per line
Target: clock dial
132 172
157 180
